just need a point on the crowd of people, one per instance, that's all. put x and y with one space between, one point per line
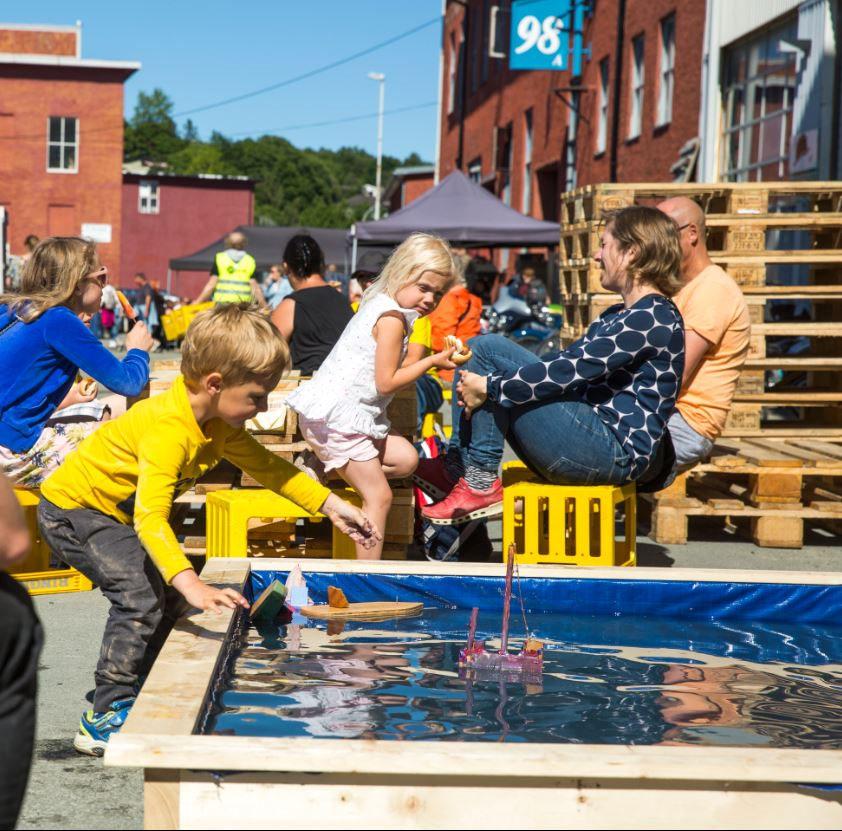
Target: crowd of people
643 394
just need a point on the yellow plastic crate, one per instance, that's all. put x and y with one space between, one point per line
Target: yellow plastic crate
228 514
35 572
566 524
172 332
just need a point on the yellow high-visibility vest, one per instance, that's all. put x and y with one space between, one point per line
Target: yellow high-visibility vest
233 284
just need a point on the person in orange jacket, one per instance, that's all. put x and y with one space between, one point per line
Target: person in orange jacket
457 314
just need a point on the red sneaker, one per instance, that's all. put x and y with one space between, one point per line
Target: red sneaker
464 504
432 477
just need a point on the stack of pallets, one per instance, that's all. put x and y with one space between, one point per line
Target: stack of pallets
782 243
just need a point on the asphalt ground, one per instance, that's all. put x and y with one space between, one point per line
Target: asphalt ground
67 790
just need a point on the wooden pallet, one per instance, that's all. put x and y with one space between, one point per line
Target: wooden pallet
777 485
742 199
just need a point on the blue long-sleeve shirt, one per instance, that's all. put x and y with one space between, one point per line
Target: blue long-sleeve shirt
627 367
38 365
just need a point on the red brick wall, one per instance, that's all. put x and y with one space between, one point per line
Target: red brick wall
37 42
192 215
507 95
42 203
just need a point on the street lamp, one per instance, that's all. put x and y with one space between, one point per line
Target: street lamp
381 78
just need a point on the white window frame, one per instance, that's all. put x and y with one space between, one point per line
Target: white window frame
570 147
666 76
638 81
62 144
153 201
451 74
602 116
528 135
475 170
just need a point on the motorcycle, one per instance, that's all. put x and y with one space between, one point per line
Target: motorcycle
529 325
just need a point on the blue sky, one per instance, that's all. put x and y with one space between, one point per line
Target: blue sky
200 53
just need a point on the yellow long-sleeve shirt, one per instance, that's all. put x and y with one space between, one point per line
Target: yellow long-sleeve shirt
133 467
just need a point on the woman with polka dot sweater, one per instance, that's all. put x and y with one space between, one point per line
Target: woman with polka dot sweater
594 414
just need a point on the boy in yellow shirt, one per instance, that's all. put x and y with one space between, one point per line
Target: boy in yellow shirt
105 511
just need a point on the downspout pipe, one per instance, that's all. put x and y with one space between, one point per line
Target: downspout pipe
618 84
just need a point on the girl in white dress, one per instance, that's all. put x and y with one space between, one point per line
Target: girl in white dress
342 410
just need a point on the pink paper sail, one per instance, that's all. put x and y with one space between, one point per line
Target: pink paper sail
481 664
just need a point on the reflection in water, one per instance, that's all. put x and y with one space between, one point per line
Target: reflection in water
400 680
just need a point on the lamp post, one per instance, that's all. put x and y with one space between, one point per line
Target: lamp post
381 78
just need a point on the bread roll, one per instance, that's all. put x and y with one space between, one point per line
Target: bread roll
462 354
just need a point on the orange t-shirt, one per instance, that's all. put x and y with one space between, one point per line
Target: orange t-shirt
458 314
713 306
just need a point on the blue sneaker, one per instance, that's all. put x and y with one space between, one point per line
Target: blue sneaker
96 728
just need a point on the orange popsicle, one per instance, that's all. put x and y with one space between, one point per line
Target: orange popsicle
128 309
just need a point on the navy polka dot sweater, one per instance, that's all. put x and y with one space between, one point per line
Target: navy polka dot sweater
628 367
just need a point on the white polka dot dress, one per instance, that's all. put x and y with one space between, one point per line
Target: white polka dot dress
628 367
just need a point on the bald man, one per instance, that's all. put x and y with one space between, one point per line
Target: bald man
716 338
232 275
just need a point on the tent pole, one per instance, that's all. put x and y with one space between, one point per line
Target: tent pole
353 251
169 281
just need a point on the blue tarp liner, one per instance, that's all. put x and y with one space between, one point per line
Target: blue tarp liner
762 622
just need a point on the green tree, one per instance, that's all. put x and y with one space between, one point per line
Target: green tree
151 132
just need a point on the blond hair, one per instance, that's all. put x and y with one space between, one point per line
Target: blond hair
654 236
415 255
51 276
237 342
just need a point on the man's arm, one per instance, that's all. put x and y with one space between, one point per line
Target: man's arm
14 536
208 290
695 349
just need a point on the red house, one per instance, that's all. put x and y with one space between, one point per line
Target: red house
61 138
166 216
407 184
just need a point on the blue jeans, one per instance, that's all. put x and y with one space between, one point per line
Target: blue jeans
563 441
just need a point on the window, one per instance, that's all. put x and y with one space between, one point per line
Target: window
527 162
503 157
486 31
602 119
666 81
637 81
62 144
148 199
570 141
758 92
451 74
475 170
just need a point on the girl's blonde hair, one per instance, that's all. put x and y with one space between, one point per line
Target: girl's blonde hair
51 276
415 255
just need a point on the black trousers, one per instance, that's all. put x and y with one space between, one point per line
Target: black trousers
143 608
21 638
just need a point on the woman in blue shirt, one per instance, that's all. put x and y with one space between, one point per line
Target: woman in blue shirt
44 342
597 412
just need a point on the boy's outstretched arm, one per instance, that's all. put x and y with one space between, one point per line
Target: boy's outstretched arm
277 474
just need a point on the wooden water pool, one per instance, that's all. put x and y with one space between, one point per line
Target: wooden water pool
220 781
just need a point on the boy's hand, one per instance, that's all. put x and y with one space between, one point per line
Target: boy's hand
202 596
441 360
351 521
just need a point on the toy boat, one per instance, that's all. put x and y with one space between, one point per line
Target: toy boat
481 663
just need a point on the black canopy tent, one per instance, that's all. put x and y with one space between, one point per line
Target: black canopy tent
461 212
266 244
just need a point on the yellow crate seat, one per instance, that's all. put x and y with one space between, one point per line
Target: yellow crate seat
566 524
228 514
35 572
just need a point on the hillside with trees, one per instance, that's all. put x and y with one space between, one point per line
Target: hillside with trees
295 186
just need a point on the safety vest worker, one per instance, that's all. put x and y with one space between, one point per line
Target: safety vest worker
233 283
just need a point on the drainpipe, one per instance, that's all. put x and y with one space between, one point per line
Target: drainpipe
618 80
466 20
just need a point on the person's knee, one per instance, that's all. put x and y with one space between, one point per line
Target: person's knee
379 497
405 462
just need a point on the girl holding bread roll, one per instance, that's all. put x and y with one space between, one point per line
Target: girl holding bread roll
342 410
44 343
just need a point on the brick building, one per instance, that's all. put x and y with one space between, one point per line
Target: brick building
61 138
167 216
527 136
407 184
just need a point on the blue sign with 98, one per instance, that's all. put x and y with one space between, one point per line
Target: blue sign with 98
545 34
